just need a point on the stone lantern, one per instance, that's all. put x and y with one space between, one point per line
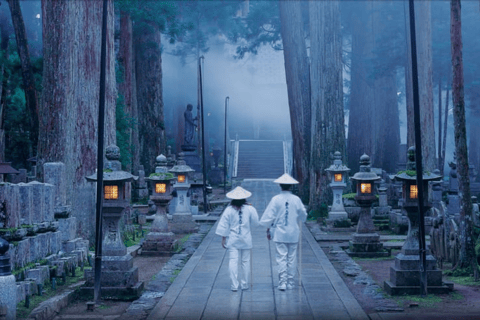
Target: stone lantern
8 287
159 241
336 173
405 274
366 241
119 276
182 220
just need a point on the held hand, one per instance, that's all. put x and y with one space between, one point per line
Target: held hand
223 243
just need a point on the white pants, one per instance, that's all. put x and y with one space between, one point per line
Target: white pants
287 261
242 256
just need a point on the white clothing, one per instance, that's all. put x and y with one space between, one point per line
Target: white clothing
287 263
242 256
284 212
239 235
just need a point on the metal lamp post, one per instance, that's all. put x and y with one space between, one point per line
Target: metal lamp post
225 150
204 165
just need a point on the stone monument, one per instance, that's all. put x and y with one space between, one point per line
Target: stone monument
119 277
405 274
337 172
8 287
366 241
159 241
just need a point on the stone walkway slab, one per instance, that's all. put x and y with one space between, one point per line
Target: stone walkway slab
202 289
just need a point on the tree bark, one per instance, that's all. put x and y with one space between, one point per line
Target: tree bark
298 87
467 242
69 110
149 94
4 37
128 86
445 123
327 118
27 73
425 85
439 121
474 146
361 125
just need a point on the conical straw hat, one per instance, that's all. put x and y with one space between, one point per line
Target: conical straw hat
238 193
286 179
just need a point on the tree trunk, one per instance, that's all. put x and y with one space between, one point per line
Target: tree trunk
474 147
327 118
128 86
149 94
409 84
439 121
467 242
425 85
361 125
298 86
69 109
27 73
444 142
4 37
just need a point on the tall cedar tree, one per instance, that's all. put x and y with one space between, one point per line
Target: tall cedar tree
298 86
361 127
327 118
4 37
425 83
27 73
467 248
127 87
68 120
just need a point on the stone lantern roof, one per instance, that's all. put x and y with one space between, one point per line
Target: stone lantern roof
337 165
113 168
181 167
411 172
365 173
161 171
6 168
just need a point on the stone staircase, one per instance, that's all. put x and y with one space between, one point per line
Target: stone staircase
260 159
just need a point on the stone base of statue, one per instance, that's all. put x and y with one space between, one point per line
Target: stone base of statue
215 176
192 159
366 245
182 222
405 276
158 244
119 279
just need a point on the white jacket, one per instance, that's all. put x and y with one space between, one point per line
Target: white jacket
239 235
284 212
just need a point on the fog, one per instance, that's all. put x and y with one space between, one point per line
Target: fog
255 85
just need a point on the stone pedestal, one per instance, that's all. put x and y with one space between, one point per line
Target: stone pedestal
182 222
365 242
192 159
405 274
337 211
159 241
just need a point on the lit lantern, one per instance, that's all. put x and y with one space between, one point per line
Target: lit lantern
161 194
336 174
181 178
115 201
160 187
110 192
365 180
413 191
365 188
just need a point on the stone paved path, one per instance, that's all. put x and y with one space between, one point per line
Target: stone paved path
202 289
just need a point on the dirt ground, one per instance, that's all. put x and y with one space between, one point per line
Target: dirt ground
462 303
